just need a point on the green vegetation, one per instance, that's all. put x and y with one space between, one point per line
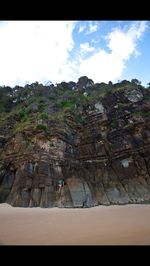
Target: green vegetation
108 93
22 114
44 116
136 81
143 114
42 127
52 108
6 103
129 126
146 114
146 97
112 146
78 118
22 126
41 106
70 104
114 123
121 106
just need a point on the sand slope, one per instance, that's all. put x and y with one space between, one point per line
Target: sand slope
103 225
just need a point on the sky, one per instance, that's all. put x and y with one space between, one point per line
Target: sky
59 51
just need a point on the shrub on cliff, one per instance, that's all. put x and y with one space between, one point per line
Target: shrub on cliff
41 127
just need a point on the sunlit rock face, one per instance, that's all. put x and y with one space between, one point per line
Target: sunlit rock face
76 150
134 96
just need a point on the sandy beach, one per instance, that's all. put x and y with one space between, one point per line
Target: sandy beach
102 225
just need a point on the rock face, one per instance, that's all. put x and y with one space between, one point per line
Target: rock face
101 156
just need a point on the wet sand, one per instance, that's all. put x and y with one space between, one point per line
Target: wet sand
102 225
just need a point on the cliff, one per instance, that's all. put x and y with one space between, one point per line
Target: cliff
75 144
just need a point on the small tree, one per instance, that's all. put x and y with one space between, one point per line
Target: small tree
148 85
136 81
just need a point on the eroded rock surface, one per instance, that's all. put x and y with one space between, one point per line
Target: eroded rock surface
101 151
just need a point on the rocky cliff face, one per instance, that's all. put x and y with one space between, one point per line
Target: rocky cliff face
96 144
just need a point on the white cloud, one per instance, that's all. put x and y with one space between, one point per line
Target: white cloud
86 48
82 28
101 67
105 66
123 44
92 27
35 50
40 51
135 31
